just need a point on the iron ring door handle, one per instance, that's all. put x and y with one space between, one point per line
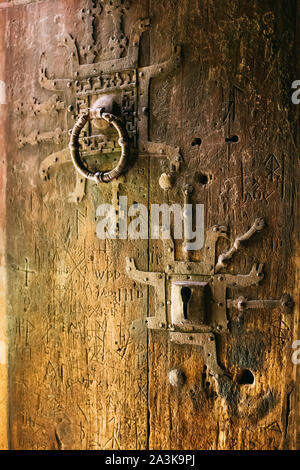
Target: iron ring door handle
124 142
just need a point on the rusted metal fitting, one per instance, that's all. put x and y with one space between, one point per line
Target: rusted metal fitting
124 142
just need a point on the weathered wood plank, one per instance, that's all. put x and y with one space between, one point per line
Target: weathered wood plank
238 67
78 379
3 287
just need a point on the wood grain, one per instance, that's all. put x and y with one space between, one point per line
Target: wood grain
234 82
3 287
79 377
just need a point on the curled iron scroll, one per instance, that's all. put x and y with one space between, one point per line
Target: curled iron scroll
99 176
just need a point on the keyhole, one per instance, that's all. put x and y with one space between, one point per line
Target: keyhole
186 294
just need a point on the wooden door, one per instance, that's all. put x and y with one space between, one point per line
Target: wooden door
205 90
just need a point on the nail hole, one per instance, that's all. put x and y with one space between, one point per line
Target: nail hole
196 141
233 138
203 179
245 377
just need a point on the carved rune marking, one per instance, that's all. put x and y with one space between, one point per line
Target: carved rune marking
27 271
266 178
273 169
211 303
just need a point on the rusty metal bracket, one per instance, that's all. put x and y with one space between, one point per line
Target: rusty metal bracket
157 280
256 227
116 73
241 303
191 297
207 342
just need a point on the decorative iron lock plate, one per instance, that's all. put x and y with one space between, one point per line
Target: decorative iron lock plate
191 297
76 94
